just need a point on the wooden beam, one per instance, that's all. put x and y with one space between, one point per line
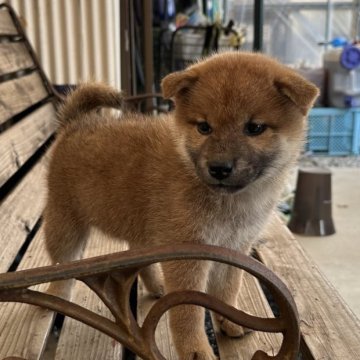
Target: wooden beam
20 93
20 142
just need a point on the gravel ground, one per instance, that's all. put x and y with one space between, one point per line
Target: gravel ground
306 161
330 161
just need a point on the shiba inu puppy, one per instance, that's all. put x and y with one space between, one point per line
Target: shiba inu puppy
209 172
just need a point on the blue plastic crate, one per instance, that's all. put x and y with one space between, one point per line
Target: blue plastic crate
334 131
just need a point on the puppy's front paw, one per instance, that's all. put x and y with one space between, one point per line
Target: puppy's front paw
200 355
200 350
231 329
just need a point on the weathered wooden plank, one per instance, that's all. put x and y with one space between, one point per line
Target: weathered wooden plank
19 212
253 301
77 340
6 24
18 94
162 335
18 143
13 57
329 328
24 328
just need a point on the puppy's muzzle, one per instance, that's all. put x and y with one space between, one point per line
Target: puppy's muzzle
220 170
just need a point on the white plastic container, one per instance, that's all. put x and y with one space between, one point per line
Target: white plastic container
343 70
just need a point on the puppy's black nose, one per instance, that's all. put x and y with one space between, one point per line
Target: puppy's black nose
220 170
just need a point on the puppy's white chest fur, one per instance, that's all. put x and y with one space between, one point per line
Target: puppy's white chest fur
227 235
236 224
234 228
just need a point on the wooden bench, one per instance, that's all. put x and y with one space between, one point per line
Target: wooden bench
27 124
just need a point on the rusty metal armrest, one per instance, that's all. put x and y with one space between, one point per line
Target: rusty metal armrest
112 276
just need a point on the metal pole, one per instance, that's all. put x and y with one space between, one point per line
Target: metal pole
125 46
355 20
148 49
328 29
258 25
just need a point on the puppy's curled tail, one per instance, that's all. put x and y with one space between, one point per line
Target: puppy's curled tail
88 97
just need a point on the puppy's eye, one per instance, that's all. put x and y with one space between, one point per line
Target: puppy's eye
253 129
204 128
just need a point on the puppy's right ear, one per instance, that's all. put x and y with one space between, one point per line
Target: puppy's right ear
177 82
298 90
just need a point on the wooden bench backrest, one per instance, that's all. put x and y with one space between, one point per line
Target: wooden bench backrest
27 125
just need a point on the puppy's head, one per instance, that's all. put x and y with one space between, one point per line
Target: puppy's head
241 117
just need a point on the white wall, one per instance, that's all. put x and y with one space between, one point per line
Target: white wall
75 40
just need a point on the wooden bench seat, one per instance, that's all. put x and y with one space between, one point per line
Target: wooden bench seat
27 125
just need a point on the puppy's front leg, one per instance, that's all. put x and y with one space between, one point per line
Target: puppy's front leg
187 321
225 284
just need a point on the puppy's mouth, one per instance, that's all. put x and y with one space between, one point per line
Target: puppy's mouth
227 189
223 187
235 182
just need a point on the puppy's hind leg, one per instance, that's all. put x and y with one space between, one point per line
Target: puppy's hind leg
153 279
65 236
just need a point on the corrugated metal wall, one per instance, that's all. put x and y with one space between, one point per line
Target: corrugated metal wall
75 40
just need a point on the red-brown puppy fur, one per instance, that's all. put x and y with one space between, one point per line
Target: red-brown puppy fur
148 180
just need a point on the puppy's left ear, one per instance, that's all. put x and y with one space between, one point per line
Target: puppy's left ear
177 82
298 90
